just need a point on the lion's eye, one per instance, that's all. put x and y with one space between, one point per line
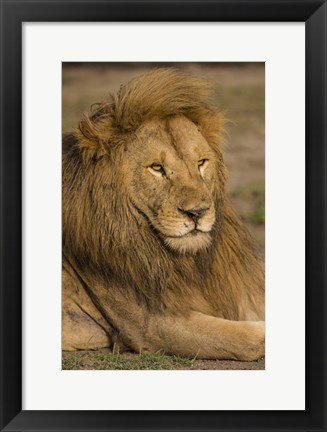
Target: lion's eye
201 162
156 167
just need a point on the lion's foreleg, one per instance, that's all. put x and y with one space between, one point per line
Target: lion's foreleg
194 335
207 337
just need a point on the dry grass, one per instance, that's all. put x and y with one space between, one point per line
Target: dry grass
106 360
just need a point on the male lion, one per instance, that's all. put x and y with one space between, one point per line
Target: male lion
154 256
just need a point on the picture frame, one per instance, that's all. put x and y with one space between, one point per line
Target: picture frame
13 14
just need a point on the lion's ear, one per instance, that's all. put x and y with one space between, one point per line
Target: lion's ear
93 136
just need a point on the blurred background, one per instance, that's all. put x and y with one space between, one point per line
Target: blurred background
239 92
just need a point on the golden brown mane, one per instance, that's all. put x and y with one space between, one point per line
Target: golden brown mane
156 94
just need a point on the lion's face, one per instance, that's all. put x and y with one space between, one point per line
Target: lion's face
171 174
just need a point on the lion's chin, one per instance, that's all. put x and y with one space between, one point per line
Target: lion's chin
189 243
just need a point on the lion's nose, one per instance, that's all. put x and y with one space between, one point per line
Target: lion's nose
194 213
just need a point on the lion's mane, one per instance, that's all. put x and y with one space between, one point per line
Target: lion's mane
109 241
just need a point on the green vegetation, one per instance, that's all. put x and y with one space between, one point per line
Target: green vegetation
110 361
107 360
257 217
254 194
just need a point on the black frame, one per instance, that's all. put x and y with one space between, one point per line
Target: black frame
13 14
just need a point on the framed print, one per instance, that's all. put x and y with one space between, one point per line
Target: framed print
267 68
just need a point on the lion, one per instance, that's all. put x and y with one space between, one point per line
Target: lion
154 256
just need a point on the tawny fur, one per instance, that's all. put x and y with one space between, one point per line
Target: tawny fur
114 253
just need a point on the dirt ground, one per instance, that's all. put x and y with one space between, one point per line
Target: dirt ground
240 93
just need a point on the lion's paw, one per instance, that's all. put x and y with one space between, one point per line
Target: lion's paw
254 347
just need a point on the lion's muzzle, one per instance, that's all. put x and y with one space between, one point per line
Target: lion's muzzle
194 213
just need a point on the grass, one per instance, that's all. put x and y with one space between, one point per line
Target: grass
107 360
111 361
254 193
